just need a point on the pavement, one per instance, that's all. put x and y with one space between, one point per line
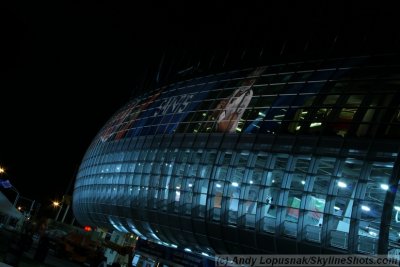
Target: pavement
8 237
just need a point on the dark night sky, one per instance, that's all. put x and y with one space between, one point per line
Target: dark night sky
67 67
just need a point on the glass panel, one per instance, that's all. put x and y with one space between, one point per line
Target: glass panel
261 160
326 166
346 187
255 176
233 202
237 175
351 169
217 194
298 181
346 114
221 173
315 204
278 165
321 184
293 204
251 197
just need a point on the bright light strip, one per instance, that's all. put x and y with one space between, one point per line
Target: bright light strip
384 186
235 184
315 124
365 208
342 184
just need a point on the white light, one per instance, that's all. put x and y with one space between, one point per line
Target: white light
188 250
336 208
235 184
298 128
178 187
273 181
218 185
303 182
190 185
372 233
174 246
384 186
342 184
204 254
251 182
365 208
397 208
315 124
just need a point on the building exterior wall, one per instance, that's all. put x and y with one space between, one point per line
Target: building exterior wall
262 159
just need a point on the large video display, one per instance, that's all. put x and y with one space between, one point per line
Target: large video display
251 101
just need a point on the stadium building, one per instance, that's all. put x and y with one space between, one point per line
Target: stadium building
300 157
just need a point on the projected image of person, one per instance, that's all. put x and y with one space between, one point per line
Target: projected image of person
230 110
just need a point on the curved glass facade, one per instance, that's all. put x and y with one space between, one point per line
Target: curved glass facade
258 160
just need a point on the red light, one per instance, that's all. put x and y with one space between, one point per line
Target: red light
87 228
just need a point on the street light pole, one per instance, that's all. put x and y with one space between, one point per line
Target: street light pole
58 213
